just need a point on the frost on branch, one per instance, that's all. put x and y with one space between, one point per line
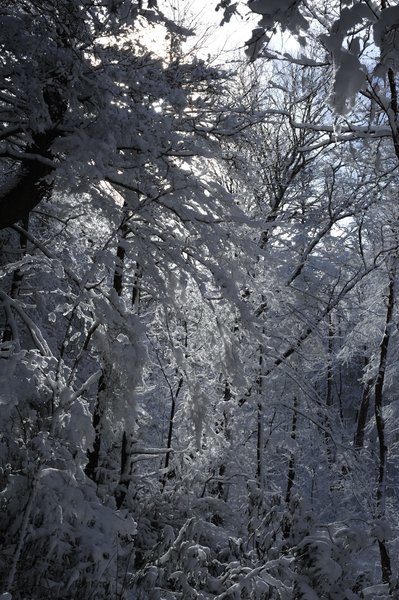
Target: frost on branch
345 35
285 12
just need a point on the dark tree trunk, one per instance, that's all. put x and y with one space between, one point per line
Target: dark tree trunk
32 186
260 437
16 281
330 374
291 469
121 253
123 484
91 469
224 427
329 394
136 285
118 271
363 413
378 404
174 397
259 443
93 455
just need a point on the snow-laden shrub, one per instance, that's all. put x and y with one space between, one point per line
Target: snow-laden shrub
327 565
180 570
63 542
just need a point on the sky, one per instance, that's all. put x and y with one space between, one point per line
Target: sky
216 39
213 42
230 37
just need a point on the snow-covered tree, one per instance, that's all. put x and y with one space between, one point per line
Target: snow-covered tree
199 305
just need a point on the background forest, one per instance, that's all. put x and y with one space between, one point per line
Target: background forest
199 302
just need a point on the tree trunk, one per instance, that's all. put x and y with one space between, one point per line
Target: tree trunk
221 487
330 375
363 413
123 484
32 185
91 468
329 394
174 397
260 441
260 437
378 405
136 291
291 469
16 281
